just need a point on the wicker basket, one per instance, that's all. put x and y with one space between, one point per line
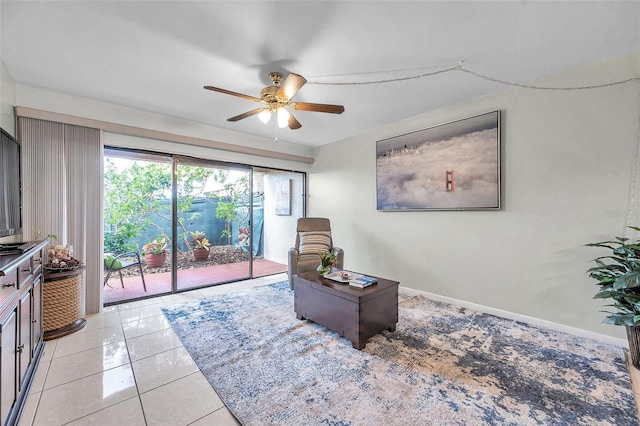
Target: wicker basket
61 301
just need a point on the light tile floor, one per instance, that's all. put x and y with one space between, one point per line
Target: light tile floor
127 367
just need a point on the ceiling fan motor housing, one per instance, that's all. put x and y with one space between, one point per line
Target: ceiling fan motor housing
270 97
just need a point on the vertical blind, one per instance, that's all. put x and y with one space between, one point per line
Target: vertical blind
62 193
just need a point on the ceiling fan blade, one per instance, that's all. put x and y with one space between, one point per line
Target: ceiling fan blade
291 85
246 114
293 123
305 106
229 92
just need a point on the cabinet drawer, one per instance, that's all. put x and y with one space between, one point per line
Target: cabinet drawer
25 272
36 262
8 285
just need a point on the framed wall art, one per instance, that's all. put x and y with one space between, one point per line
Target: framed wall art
453 166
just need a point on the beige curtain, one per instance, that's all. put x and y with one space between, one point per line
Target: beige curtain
62 193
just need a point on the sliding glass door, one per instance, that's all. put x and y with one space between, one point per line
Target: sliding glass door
174 223
137 220
214 223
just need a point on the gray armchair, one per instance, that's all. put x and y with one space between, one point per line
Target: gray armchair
313 235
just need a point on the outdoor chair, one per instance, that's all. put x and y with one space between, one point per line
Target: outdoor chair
122 261
313 235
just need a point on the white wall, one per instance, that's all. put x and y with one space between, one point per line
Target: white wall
280 231
7 100
567 160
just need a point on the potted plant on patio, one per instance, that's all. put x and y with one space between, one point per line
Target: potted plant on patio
199 245
618 276
155 252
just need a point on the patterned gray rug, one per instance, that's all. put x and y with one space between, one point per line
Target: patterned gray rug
443 365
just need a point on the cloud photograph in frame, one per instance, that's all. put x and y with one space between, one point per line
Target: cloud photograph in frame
453 166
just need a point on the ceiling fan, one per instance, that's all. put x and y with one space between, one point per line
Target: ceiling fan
276 98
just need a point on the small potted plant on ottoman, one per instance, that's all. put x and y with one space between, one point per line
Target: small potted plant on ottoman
327 260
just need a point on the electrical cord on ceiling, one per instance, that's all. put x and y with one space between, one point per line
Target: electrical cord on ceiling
528 86
476 74
391 80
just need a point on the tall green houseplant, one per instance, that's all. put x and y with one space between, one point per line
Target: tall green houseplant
618 276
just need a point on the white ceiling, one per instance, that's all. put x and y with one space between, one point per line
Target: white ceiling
158 55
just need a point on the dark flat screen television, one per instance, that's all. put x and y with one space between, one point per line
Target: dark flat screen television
10 186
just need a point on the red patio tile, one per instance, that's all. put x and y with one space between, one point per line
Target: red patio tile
189 278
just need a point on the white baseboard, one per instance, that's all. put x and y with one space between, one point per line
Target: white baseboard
518 317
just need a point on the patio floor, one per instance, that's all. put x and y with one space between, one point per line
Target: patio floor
189 278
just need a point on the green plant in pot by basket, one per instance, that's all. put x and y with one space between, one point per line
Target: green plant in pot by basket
618 275
327 260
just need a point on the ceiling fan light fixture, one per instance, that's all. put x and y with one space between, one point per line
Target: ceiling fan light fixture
265 116
283 117
276 97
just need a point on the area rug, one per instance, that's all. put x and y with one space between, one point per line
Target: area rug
444 365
